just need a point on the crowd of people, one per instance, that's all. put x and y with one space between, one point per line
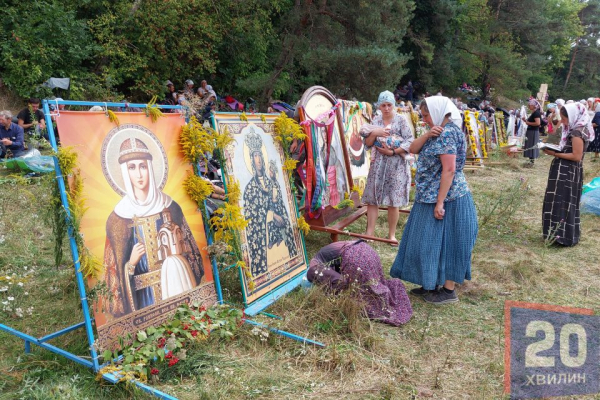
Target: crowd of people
438 239
14 130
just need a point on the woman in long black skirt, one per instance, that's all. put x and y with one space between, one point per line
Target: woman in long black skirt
532 136
560 218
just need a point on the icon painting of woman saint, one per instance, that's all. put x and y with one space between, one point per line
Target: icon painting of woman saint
150 252
140 223
272 246
268 220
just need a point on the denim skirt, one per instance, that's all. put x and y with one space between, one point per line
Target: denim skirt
432 251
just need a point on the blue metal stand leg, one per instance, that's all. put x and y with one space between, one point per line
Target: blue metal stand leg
154 392
27 347
286 334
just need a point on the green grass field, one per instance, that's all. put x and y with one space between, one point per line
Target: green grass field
450 352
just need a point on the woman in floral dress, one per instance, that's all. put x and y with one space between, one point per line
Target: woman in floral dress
388 182
355 265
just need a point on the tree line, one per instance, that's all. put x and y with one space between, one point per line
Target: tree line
275 49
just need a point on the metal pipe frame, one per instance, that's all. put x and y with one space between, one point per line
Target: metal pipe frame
286 334
87 322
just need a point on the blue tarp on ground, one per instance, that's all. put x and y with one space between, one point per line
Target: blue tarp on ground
590 200
38 163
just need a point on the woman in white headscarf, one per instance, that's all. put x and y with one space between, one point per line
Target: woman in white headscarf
388 182
437 242
594 146
560 217
150 253
590 106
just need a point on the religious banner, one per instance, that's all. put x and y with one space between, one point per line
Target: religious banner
272 246
475 136
355 115
140 224
411 117
328 179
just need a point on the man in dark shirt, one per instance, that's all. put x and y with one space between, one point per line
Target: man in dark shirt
31 117
11 136
171 95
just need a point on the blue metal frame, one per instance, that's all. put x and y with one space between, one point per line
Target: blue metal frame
287 334
265 301
87 320
94 365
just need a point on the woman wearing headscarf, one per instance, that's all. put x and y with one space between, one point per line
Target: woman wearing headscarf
532 136
354 264
435 250
150 253
590 106
594 146
388 182
560 217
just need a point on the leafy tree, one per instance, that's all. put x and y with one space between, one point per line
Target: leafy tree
352 47
429 40
40 39
579 76
144 43
271 49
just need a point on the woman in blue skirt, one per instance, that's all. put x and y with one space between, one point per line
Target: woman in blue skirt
435 250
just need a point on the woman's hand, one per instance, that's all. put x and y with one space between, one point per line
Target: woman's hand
550 152
385 150
435 131
136 253
438 211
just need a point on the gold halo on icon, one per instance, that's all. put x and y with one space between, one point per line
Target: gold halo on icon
109 155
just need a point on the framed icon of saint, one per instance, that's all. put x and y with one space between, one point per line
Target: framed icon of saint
272 245
140 223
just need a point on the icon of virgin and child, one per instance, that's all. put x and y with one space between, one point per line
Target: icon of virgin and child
269 231
150 253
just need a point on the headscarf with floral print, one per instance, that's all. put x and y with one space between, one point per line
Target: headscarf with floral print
578 119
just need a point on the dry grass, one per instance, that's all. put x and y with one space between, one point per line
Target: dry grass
452 352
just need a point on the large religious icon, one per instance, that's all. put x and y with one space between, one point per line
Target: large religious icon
272 245
354 115
140 223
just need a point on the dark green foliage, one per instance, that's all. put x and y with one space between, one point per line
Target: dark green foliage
40 39
270 49
579 77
